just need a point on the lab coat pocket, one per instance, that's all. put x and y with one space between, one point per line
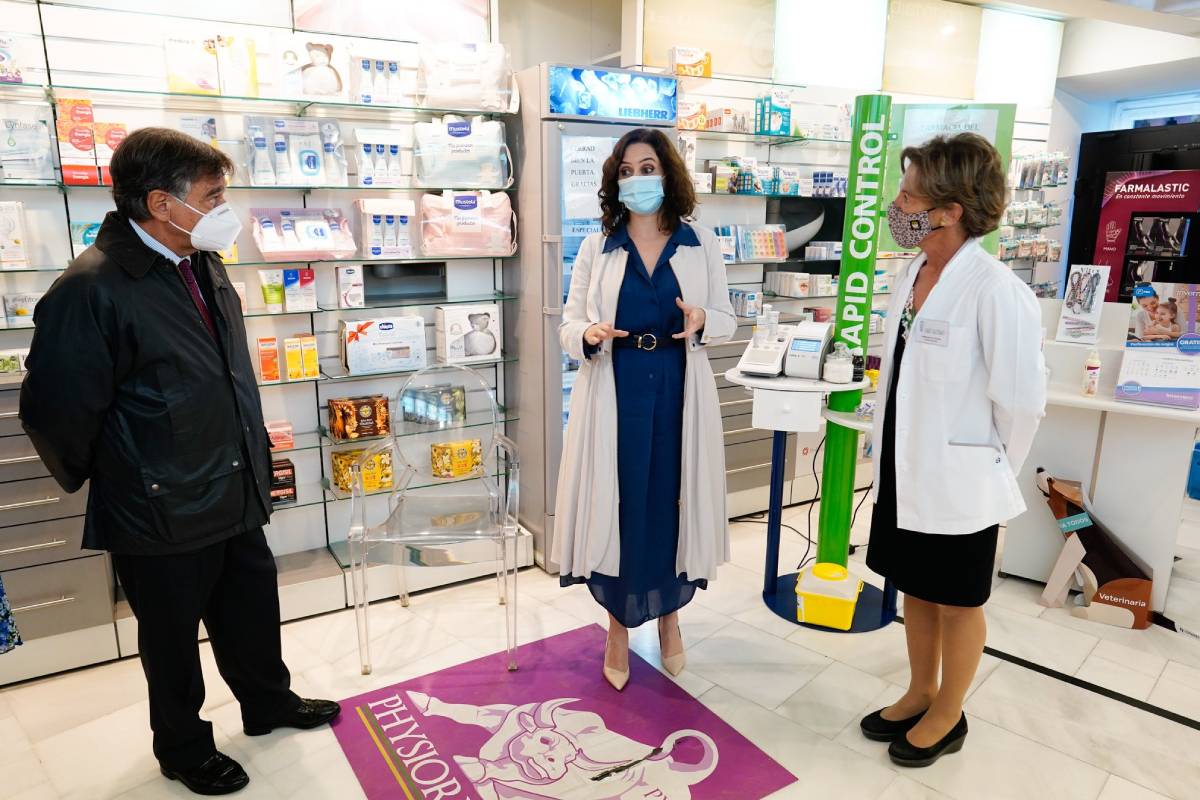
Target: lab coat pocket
978 469
944 361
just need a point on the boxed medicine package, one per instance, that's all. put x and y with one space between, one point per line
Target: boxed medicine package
468 333
456 459
376 471
353 418
388 344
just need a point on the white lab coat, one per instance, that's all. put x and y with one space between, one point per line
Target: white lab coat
971 394
587 538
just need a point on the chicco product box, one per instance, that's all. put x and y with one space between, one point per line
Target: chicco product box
826 595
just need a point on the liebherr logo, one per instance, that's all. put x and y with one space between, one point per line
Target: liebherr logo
1121 601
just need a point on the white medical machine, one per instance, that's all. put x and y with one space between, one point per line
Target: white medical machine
796 351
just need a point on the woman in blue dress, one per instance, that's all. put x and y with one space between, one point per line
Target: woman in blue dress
646 195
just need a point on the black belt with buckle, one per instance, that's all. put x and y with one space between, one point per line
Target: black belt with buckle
646 341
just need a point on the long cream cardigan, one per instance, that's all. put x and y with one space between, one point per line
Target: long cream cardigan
587 538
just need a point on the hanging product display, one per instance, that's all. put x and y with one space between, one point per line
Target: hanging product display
468 76
461 153
1083 303
467 224
302 234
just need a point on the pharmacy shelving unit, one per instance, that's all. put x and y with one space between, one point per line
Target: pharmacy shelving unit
67 603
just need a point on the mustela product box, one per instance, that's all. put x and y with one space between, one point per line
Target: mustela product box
350 287
467 334
386 344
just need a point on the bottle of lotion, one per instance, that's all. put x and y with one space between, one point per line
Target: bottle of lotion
1091 374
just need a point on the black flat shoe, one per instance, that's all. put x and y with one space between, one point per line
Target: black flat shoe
878 729
905 754
220 774
309 714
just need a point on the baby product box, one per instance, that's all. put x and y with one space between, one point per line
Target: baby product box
386 226
12 235
468 333
388 344
350 287
692 61
77 142
691 115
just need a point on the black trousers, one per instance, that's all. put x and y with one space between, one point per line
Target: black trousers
232 586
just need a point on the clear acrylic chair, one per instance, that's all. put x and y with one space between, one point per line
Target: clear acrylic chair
438 415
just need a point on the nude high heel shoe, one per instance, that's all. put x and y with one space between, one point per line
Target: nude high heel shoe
617 678
675 662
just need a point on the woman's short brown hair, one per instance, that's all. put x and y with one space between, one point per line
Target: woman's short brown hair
964 169
679 200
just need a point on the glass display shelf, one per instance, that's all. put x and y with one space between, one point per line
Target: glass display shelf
334 372
764 195
753 80
16 324
334 493
307 494
753 262
9 380
774 140
290 383
475 419
38 92
302 441
21 270
301 104
259 313
29 183
363 261
242 187
426 300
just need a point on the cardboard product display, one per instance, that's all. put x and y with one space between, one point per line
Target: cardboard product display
1115 590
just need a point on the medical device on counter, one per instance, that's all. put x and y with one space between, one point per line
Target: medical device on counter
796 351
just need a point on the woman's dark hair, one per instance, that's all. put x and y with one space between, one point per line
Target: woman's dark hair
160 158
679 200
964 169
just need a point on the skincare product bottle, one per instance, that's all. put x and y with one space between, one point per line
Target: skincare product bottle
306 150
365 84
859 363
389 231
395 93
331 140
271 281
260 164
271 240
366 167
376 243
395 169
381 165
1091 374
380 88
290 239
283 172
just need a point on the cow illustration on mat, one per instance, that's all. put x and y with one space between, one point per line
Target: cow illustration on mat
549 751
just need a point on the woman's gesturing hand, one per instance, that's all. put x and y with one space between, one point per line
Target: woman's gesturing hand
693 319
601 331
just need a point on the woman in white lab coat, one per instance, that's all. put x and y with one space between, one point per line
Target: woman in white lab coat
961 393
640 514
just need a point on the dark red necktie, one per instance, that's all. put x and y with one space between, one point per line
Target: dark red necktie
189 279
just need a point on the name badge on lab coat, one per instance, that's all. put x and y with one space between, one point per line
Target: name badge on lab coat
934 332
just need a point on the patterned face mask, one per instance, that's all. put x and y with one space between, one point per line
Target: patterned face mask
909 230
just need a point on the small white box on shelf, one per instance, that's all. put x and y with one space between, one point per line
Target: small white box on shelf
387 227
13 254
387 344
468 333
702 182
350 287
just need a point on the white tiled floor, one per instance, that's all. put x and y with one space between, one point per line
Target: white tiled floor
797 693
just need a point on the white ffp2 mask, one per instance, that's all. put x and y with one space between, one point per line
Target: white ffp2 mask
215 231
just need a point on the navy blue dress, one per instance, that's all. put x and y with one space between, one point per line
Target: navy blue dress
649 441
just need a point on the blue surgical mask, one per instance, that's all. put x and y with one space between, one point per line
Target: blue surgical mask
641 194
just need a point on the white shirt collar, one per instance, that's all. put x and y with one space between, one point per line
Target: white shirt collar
156 245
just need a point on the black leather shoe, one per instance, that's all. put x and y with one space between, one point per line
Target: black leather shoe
309 714
905 754
220 774
878 729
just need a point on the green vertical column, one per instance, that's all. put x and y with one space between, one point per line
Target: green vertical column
865 206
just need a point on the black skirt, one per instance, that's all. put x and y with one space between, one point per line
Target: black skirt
947 570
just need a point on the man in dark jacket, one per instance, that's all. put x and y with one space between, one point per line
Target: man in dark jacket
140 381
